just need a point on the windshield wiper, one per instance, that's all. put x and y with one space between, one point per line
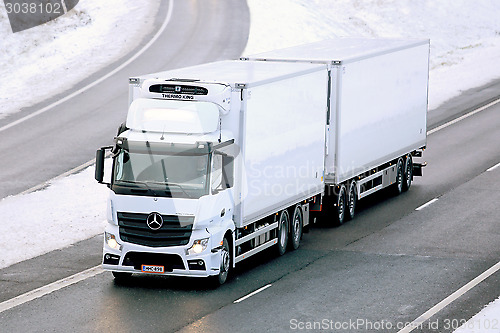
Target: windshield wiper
141 183
182 189
146 184
167 185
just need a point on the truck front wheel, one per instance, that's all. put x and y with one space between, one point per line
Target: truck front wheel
225 263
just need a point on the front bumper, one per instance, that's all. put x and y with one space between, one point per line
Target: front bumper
174 260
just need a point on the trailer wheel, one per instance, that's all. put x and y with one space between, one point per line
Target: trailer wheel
352 199
283 232
398 186
296 228
340 206
408 173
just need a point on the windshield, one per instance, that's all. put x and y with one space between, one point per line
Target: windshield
168 174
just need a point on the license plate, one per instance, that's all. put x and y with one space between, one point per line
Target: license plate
152 269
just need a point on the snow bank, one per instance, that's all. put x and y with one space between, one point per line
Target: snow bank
486 321
465 35
70 210
43 61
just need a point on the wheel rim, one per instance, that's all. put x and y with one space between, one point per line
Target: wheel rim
225 261
341 205
400 176
283 231
408 172
296 226
352 200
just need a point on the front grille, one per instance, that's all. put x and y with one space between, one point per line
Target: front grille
169 261
175 231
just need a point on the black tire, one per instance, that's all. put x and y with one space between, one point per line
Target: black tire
352 200
283 227
397 188
121 276
340 206
408 173
296 226
225 264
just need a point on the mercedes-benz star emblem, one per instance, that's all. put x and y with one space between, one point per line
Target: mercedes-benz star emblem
154 221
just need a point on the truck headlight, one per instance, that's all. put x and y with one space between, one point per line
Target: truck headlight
199 246
111 241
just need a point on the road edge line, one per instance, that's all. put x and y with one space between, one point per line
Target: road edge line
63 175
493 167
428 203
467 115
417 323
50 288
252 294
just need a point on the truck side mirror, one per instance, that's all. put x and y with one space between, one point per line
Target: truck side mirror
100 155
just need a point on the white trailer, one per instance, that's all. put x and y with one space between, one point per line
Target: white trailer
376 118
215 163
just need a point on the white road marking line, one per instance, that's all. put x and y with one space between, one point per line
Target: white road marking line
50 288
482 108
50 181
417 323
96 82
427 204
63 175
494 167
251 294
63 4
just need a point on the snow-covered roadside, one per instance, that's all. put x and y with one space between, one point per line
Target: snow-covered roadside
42 61
70 210
73 209
465 35
486 321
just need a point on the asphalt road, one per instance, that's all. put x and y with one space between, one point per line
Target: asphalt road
68 135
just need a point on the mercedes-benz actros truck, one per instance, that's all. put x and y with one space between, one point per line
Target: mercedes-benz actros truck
220 161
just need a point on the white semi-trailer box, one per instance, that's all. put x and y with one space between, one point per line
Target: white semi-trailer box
262 124
377 107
